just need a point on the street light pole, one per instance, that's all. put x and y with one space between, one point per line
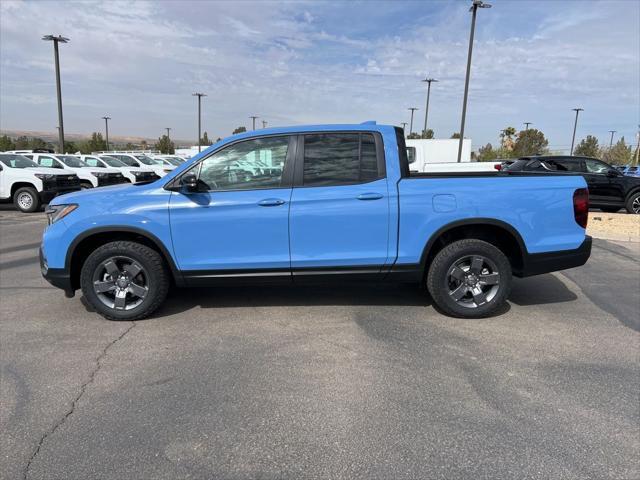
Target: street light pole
611 141
264 124
526 125
106 130
56 40
413 109
575 125
199 95
404 126
253 119
474 9
168 129
426 110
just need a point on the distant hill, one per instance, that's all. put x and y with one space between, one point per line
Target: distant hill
52 137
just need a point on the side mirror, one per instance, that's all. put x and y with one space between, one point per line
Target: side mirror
189 182
613 173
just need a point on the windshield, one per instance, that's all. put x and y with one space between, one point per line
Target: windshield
174 161
113 162
144 159
72 162
17 161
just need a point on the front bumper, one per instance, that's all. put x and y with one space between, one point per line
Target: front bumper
538 263
51 192
58 277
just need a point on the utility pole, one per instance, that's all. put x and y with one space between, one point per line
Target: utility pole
413 109
199 95
264 124
56 40
526 125
106 130
426 110
253 119
168 129
404 127
474 9
611 141
575 125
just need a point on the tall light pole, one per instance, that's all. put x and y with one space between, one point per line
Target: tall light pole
474 10
253 119
106 130
404 126
264 124
611 141
56 40
199 95
575 125
168 129
526 125
413 109
426 110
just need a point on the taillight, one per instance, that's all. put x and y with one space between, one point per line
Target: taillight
498 166
581 206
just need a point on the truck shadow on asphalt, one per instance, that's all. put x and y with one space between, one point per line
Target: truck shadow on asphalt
541 290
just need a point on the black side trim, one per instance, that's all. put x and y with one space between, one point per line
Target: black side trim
177 276
356 273
538 263
405 272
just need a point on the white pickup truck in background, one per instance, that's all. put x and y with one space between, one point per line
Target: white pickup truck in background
29 186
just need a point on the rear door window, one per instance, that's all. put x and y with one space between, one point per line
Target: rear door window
332 159
49 162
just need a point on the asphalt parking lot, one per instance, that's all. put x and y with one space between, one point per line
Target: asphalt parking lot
366 382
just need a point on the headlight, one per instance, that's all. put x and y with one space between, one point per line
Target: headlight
167 170
137 174
99 174
57 212
45 176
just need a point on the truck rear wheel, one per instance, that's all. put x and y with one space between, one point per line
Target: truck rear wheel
26 199
124 280
469 279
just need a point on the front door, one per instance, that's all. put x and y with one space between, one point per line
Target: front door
339 219
602 188
237 223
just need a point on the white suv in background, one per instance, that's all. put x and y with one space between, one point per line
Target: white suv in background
89 177
29 186
133 174
142 161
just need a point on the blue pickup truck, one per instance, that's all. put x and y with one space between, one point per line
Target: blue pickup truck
314 203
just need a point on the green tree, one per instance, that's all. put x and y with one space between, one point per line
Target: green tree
239 130
455 135
619 154
414 135
530 142
487 153
205 139
165 145
588 147
95 144
22 143
129 146
38 143
427 134
6 143
70 147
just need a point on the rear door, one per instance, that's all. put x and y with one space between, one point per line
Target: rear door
339 214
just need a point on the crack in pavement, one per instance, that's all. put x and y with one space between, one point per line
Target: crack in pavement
75 401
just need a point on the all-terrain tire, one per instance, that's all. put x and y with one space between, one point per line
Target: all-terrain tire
440 286
154 270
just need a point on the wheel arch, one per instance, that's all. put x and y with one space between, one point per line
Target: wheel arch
89 240
18 185
499 233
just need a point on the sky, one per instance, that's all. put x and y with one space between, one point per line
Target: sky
297 62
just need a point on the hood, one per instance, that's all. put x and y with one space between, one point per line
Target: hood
90 194
55 171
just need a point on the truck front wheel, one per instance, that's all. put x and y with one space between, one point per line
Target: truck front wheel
124 280
469 279
26 200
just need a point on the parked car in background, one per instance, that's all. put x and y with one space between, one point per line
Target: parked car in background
141 161
29 185
335 202
632 171
132 174
174 159
165 163
609 190
89 177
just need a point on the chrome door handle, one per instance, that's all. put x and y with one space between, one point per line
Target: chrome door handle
369 196
271 202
